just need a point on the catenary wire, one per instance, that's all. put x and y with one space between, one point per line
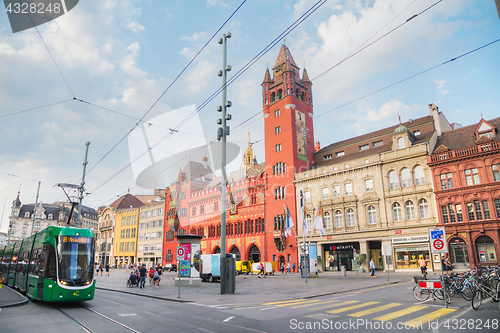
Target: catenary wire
36 108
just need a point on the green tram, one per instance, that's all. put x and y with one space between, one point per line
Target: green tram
54 265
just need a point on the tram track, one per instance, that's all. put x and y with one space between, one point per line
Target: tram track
86 328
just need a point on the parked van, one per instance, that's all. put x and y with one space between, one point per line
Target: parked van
210 267
244 266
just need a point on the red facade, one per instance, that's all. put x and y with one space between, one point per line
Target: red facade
465 167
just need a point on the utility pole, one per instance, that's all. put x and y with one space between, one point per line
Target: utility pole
11 222
82 186
34 209
221 134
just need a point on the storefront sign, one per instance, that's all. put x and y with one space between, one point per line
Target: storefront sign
410 239
339 247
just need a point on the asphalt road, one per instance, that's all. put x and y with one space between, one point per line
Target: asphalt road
388 308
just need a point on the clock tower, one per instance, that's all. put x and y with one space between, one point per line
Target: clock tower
289 147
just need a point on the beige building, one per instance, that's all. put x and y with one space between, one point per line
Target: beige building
376 192
150 239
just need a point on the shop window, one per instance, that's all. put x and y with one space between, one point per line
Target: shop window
410 210
472 177
423 208
372 215
351 222
496 172
328 220
405 178
486 249
396 212
338 219
393 180
444 211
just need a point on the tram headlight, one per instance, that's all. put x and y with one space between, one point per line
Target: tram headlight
64 282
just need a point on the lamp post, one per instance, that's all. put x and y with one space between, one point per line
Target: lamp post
222 132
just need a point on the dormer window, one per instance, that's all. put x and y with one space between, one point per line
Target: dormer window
485 129
327 157
339 153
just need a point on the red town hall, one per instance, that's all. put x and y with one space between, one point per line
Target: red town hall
257 193
466 170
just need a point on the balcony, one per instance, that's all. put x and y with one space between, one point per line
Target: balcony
464 152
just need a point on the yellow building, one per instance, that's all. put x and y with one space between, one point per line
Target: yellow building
126 227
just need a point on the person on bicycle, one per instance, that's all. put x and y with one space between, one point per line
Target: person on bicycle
423 266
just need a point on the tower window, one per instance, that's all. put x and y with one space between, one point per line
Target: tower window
278 147
280 94
277 130
277 112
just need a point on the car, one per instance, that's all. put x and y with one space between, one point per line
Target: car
170 268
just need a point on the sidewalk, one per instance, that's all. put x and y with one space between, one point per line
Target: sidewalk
250 288
10 297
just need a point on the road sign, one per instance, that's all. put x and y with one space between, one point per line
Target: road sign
437 239
180 253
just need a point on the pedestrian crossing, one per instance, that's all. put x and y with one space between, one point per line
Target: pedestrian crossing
357 309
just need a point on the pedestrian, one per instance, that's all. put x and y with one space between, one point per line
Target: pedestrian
449 265
293 267
423 266
101 268
282 267
262 271
160 272
372 268
444 266
107 269
288 268
142 275
156 278
151 274
96 268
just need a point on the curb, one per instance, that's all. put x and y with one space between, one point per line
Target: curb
24 301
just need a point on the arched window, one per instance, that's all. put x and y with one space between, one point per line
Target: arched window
338 219
372 215
328 220
401 143
27 214
410 210
396 212
419 175
351 221
423 208
405 178
297 93
393 180
273 97
280 94
308 221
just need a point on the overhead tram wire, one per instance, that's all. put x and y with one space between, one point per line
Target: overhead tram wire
376 40
215 94
168 88
36 108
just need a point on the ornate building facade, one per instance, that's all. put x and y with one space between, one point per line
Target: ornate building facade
466 172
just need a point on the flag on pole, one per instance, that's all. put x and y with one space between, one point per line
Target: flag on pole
288 221
318 220
305 227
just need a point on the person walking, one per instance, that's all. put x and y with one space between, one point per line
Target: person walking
293 267
449 265
262 271
159 269
107 269
372 268
288 268
101 268
156 278
282 267
142 275
444 267
423 266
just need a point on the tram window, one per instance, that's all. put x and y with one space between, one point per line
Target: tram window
50 272
35 261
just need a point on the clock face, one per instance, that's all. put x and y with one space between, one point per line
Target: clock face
279 70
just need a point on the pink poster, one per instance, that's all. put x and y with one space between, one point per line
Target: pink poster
187 251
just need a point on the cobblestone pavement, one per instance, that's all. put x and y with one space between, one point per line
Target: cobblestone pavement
250 288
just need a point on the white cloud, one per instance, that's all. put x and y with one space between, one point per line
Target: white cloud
440 87
135 27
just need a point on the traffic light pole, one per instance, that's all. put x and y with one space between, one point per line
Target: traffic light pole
221 134
82 186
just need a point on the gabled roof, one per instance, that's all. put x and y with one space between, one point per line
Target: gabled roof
195 170
126 201
466 136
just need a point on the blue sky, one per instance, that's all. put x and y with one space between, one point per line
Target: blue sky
122 55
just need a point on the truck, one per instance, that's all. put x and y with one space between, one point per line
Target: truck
210 267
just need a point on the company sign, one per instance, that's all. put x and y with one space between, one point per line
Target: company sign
410 239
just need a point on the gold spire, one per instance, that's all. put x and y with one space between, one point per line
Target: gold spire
248 155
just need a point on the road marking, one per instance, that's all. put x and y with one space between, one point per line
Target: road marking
227 319
251 307
222 307
304 305
400 313
357 306
295 300
127 314
417 322
332 305
374 310
288 304
272 307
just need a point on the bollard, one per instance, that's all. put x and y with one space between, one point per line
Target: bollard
343 270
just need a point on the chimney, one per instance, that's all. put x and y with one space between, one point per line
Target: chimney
317 147
205 162
435 114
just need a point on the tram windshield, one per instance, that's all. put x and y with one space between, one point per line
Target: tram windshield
75 260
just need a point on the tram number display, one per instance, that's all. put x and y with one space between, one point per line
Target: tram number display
75 239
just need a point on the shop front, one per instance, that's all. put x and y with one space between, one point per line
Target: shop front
459 255
408 250
340 254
